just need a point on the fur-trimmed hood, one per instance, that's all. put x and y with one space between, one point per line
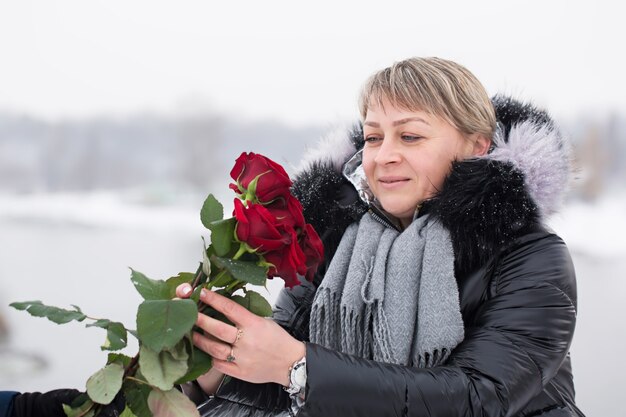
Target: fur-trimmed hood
485 202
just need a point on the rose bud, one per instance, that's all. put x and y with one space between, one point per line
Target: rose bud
272 183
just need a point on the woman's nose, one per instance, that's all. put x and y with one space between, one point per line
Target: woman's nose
388 152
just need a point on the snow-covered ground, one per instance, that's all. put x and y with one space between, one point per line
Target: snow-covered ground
75 249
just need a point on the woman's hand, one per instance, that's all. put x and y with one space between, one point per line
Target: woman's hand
263 351
210 381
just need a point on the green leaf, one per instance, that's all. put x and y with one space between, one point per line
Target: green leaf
116 334
116 337
223 235
181 278
161 324
79 400
127 412
78 410
101 323
211 211
171 403
163 369
104 385
137 397
119 358
222 280
199 364
245 271
55 314
150 289
254 302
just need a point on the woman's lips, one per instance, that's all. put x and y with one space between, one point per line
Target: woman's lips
392 182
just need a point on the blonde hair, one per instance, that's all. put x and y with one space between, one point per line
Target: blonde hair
437 86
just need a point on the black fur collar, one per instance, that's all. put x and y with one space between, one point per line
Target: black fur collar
485 202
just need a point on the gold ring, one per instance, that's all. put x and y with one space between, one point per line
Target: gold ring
239 334
231 357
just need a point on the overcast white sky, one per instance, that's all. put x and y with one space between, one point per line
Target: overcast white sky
299 62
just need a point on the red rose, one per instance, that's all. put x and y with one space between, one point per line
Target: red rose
288 262
273 183
313 250
276 227
288 211
258 228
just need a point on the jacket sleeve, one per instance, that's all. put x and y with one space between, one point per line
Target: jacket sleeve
6 402
31 404
513 346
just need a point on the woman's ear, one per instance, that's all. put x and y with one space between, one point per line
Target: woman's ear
481 144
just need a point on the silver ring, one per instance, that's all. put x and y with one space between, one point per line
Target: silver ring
231 357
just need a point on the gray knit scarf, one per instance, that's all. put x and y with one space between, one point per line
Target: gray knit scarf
390 296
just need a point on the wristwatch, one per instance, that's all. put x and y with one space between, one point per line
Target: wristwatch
297 378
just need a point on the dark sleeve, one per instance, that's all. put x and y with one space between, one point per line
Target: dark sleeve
292 309
6 402
46 404
516 344
240 398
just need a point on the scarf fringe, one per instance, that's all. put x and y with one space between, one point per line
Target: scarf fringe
323 314
382 337
364 335
437 357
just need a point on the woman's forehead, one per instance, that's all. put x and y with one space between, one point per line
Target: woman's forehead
387 109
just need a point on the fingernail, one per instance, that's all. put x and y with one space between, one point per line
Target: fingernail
186 290
204 293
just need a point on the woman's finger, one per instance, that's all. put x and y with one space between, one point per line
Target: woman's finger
208 336
228 368
217 329
233 311
218 350
183 291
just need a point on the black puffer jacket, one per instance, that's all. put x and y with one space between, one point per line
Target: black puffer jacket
516 283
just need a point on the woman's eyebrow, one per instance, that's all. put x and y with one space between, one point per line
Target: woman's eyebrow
398 122
410 119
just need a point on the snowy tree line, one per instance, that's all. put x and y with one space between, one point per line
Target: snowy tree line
137 151
192 152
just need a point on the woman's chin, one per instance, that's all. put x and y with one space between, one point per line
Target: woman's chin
399 212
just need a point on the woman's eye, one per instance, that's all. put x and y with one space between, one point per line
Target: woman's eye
410 138
373 139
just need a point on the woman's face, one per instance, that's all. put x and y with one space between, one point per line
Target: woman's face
407 156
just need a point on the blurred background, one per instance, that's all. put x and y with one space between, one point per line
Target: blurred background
118 117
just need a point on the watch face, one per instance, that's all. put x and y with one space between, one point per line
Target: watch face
298 375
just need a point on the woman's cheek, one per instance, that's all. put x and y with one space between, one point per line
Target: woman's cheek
368 168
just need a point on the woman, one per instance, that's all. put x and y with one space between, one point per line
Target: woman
442 292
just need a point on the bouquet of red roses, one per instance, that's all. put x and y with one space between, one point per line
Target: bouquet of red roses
266 237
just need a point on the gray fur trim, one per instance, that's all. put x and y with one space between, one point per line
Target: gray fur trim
334 148
543 156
